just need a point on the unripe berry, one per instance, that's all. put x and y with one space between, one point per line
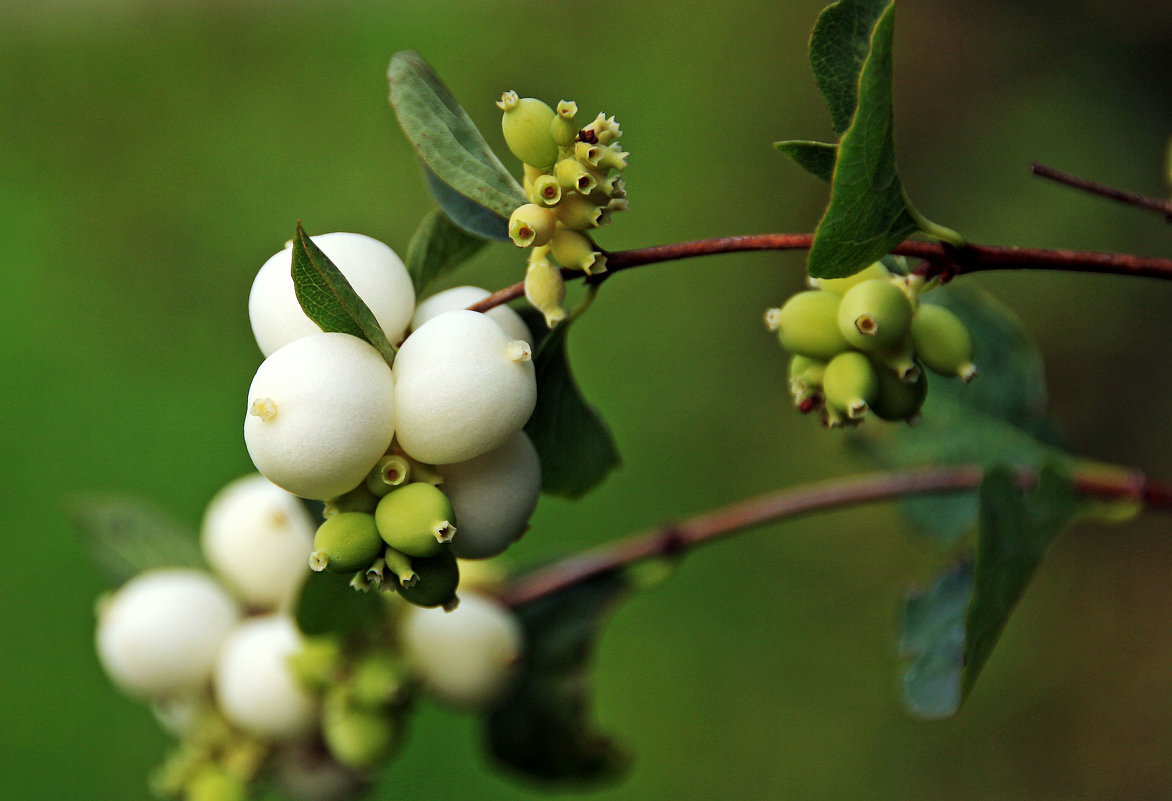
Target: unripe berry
160 633
359 739
943 343
545 288
493 496
850 384
840 286
574 177
575 251
321 412
346 542
899 400
808 325
213 783
255 685
461 297
416 519
467 656
389 472
378 681
875 315
532 225
806 373
578 212
526 126
256 537
462 387
435 582
372 269
545 191
563 127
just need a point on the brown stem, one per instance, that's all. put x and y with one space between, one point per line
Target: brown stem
1095 188
942 259
840 493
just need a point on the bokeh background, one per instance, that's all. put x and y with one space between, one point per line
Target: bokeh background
154 154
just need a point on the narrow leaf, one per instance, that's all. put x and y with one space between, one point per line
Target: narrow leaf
575 446
544 730
327 298
932 638
446 138
838 48
1016 529
816 158
329 605
437 247
868 214
124 537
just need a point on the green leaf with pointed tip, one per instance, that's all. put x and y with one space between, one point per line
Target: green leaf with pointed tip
838 47
932 637
329 605
574 444
468 215
327 298
816 158
446 138
1016 529
124 537
437 247
543 729
868 214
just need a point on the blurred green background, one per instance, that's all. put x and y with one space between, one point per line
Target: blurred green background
154 154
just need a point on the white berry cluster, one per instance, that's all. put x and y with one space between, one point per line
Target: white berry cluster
419 463
249 696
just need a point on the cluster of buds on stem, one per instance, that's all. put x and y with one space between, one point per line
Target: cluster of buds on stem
573 185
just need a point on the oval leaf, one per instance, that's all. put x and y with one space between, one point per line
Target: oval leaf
124 537
437 247
816 158
838 47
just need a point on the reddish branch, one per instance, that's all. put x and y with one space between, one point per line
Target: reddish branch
1102 190
939 258
674 539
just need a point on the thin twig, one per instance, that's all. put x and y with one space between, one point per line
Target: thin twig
1095 188
676 538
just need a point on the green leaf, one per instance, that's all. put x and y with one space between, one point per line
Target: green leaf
838 47
1016 529
468 215
437 247
868 214
932 638
543 729
329 605
574 444
124 537
999 418
447 140
816 158
327 298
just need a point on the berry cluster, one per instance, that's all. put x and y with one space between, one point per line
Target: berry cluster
572 182
402 456
249 696
860 343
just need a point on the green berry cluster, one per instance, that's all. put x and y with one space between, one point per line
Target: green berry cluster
392 532
573 185
860 344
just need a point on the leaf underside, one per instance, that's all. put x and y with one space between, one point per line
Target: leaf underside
816 158
437 247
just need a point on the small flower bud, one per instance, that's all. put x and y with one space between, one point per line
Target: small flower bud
604 130
575 251
531 225
563 127
578 213
573 176
546 290
545 191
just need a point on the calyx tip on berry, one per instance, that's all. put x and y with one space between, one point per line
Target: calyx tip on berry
508 101
264 408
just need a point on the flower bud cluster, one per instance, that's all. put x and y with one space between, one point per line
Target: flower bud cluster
250 698
573 185
860 344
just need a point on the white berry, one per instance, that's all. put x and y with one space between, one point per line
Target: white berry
461 297
258 537
160 633
320 413
372 268
496 494
255 686
462 387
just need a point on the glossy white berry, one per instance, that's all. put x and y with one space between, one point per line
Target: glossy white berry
496 494
257 537
160 633
461 297
255 686
320 413
467 656
462 388
373 270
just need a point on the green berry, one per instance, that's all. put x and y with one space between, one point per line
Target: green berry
358 738
805 373
416 519
532 225
526 125
377 681
899 361
563 127
574 177
359 499
850 384
575 251
899 400
578 212
875 315
943 343
545 191
840 286
391 471
213 783
436 579
808 325
346 542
